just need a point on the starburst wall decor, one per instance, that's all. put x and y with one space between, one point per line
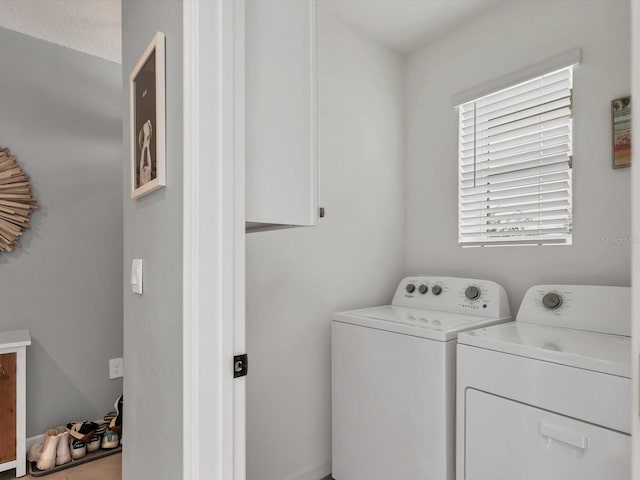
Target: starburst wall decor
16 201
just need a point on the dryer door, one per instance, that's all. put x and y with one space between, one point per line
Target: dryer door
507 440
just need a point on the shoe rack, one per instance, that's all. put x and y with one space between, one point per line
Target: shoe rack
13 382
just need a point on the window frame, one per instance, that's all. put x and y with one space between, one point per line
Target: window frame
540 235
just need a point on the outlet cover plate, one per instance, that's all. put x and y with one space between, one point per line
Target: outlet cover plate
116 368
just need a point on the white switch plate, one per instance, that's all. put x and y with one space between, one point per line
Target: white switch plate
116 368
136 276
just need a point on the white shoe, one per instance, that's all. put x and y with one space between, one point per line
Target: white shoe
78 449
33 455
47 458
110 440
94 444
63 455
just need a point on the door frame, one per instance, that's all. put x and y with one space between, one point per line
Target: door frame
214 244
635 246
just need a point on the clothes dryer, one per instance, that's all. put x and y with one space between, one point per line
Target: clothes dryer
548 396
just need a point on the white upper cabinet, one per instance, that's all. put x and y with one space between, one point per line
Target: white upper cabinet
281 145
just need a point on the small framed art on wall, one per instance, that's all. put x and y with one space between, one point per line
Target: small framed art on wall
147 116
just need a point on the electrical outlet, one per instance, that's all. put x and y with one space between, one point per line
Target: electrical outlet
116 368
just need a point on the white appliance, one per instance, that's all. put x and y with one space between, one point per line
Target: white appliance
548 396
393 378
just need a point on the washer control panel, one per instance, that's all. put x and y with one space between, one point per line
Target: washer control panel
452 294
594 308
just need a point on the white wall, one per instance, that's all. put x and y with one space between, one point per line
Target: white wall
153 232
60 115
509 38
296 278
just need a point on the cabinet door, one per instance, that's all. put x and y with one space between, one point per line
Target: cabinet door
280 113
7 407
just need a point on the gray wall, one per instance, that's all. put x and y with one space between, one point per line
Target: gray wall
511 37
296 278
60 114
153 232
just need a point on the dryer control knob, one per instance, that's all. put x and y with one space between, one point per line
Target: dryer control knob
423 289
472 293
436 289
552 301
411 288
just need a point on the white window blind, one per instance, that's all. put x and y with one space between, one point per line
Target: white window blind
515 153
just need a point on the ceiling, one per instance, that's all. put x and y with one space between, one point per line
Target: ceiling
405 25
94 26
90 26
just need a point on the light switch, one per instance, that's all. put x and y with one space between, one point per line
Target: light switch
136 276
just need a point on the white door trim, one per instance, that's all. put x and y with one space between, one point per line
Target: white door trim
213 263
237 34
635 246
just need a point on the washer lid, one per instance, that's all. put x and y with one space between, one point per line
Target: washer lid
441 326
599 352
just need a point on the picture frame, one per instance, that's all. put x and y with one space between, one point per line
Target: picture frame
147 117
621 132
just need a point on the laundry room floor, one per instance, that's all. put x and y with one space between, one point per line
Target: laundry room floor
108 468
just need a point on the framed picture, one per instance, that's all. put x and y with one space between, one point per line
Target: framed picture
621 131
147 113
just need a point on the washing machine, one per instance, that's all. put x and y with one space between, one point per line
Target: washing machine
548 396
393 378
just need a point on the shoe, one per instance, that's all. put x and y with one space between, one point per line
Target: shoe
96 440
63 454
47 458
94 443
108 418
33 455
80 433
81 430
116 422
78 448
110 439
102 427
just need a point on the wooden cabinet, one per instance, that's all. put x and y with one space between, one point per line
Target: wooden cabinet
13 366
8 407
280 111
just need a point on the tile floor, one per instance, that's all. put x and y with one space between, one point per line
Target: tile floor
108 468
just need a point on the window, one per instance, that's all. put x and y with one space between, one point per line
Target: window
515 155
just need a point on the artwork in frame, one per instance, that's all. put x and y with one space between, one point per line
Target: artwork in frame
147 117
621 131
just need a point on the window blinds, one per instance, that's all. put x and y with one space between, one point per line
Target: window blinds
515 150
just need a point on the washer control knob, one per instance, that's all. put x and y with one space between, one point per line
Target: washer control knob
552 301
472 293
423 289
436 289
411 288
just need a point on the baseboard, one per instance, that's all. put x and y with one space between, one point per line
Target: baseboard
31 441
316 472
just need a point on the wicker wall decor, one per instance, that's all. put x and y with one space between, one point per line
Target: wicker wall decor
16 201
